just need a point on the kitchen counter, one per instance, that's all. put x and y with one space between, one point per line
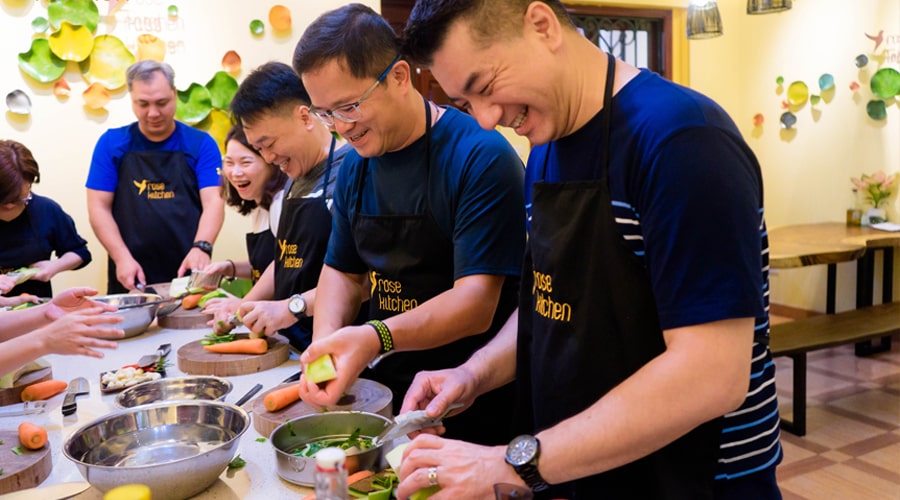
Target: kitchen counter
257 480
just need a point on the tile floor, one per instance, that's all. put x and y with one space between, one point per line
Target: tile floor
852 446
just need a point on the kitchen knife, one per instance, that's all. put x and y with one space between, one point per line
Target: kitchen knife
77 387
161 352
54 492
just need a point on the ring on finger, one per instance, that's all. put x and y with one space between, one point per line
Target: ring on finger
432 476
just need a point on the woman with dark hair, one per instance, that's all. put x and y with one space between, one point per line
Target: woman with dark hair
253 187
32 228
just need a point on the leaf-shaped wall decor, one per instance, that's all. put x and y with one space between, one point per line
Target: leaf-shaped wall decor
18 102
80 12
150 47
194 104
280 18
61 88
71 42
96 96
40 63
222 88
217 124
108 62
886 83
231 62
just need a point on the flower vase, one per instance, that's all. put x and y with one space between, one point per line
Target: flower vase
874 216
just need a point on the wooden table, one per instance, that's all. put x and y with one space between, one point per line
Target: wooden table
831 243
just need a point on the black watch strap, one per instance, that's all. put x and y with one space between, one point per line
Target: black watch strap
203 245
532 477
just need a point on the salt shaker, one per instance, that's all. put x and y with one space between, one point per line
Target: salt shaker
331 474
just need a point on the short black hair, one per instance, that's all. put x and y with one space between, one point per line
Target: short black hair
271 88
490 20
354 35
275 183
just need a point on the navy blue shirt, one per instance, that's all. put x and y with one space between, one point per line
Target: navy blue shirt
687 196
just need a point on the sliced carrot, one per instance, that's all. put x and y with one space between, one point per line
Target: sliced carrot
311 496
358 476
191 301
279 398
43 390
32 436
242 346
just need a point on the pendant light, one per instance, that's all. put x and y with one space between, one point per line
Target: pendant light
767 6
703 20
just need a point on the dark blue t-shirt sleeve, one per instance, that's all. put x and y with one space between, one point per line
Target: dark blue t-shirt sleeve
61 233
103 174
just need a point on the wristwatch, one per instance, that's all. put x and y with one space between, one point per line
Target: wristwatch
203 245
522 453
297 305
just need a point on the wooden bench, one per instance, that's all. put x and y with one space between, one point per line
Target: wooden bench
798 337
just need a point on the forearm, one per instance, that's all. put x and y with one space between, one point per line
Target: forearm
21 350
264 288
338 299
494 365
16 323
104 225
703 374
68 260
212 217
464 310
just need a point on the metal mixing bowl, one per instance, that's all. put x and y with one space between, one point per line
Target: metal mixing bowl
296 433
178 449
174 389
135 320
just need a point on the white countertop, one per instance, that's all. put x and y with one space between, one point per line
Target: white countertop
257 480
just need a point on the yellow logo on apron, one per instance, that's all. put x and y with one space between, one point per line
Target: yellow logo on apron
155 190
288 255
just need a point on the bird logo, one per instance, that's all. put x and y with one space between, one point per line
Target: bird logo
282 245
142 186
373 282
877 39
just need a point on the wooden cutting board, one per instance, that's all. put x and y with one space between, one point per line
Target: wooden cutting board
195 360
179 319
364 395
13 394
22 471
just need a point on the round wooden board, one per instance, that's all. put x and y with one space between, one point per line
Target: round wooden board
179 319
195 360
13 394
364 395
22 471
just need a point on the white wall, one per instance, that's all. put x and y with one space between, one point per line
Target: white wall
62 133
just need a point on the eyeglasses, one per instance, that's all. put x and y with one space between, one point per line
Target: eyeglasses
350 113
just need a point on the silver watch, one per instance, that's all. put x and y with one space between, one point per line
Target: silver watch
297 305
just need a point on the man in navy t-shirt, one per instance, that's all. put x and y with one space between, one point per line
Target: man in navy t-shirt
641 346
153 188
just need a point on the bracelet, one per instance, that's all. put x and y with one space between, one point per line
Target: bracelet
384 335
233 269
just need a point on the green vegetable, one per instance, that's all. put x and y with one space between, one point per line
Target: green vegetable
213 338
237 463
215 294
24 305
352 441
18 450
260 440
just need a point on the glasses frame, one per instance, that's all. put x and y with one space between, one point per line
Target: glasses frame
327 117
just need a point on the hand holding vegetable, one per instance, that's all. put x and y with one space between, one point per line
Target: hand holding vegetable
351 349
266 316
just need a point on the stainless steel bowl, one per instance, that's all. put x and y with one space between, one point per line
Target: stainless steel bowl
178 449
135 320
174 389
296 433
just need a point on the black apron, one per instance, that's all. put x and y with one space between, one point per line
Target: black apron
260 251
22 250
410 260
588 321
303 232
157 208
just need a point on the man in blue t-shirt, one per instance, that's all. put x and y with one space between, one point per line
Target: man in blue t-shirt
153 188
640 350
428 223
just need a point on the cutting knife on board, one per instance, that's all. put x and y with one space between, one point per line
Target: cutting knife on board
53 492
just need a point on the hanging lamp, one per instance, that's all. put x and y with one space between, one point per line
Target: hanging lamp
703 20
767 6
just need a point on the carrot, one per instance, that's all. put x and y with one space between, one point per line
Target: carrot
32 436
358 476
242 346
279 398
311 496
43 390
191 301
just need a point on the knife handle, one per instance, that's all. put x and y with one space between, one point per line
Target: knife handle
69 405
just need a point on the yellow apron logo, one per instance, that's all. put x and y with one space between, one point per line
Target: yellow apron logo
288 255
389 294
155 190
544 304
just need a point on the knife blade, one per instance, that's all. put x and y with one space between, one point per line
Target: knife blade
77 387
54 492
161 352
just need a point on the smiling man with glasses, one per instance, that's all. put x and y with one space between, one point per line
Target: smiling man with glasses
428 222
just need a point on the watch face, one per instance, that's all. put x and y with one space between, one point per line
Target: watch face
297 305
521 450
